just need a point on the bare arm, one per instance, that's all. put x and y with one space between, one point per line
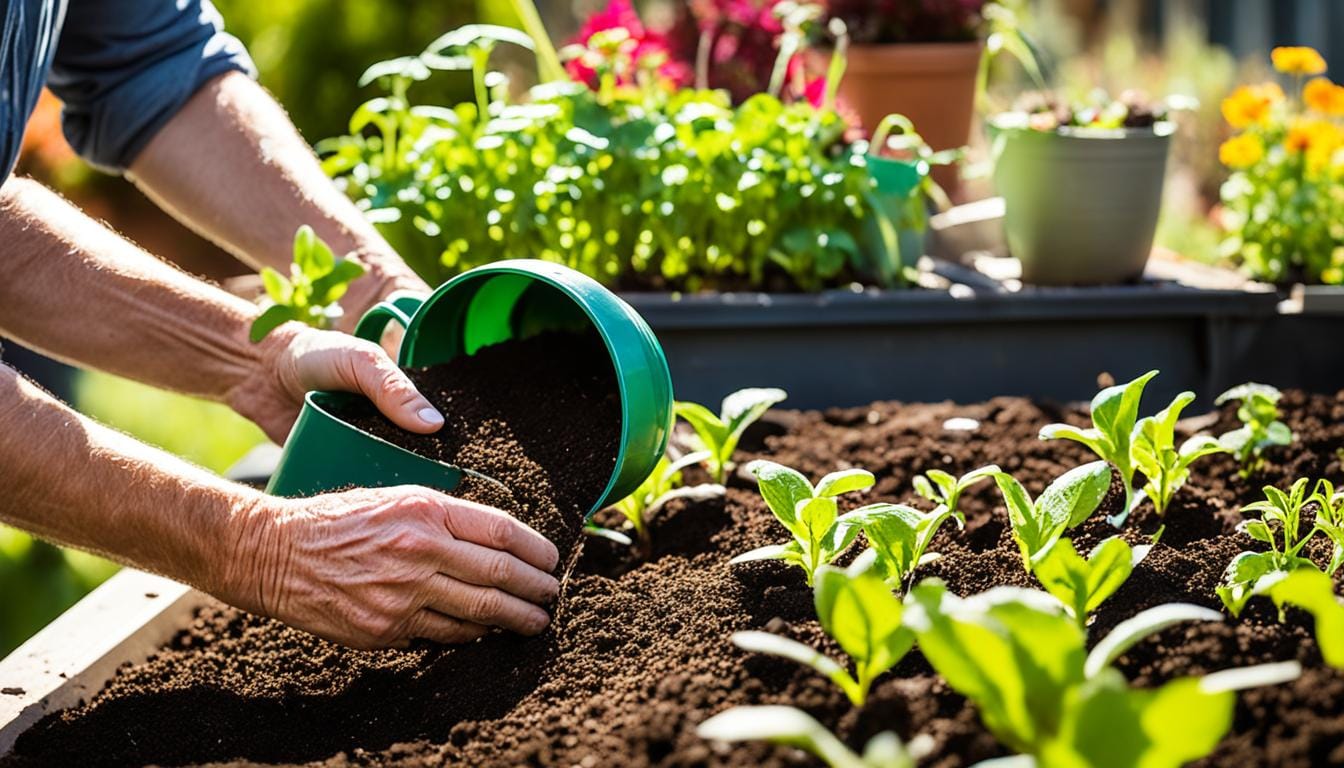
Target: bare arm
73 289
368 568
231 165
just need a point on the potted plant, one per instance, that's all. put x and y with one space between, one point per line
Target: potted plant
900 162
1082 186
1283 202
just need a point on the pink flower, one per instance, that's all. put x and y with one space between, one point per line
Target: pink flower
643 46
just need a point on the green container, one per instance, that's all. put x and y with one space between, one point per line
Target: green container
490 304
1081 205
898 193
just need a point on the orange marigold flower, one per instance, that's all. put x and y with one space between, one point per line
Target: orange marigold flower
1251 104
1324 97
1298 60
1241 151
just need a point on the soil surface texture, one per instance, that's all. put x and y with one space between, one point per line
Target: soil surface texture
638 653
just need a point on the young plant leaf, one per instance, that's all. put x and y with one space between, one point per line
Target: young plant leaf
317 281
1165 467
661 486
856 607
820 533
795 728
1261 428
1114 413
1314 592
1070 499
786 648
945 490
1137 628
1083 585
720 434
900 535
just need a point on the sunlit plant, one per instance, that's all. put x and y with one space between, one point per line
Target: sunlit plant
1038 523
1314 592
1165 467
719 435
662 485
1261 428
810 514
1330 520
1115 410
901 534
1280 527
1083 584
856 608
1024 663
317 280
795 728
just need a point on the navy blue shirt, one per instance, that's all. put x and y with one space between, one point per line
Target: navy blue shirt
122 67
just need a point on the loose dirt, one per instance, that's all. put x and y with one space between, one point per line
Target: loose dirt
639 652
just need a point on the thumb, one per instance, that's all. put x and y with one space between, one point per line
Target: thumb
368 370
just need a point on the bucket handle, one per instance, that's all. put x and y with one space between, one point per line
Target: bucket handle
398 307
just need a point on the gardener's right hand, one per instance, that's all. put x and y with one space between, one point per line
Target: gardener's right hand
376 568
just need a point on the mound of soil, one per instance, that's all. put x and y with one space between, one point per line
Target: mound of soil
638 653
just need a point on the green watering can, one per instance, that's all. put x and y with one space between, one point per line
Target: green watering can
487 305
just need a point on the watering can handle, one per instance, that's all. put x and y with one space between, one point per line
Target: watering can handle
398 307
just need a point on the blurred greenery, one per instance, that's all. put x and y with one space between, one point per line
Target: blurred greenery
38 580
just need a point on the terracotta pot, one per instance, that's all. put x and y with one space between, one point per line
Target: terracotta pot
933 84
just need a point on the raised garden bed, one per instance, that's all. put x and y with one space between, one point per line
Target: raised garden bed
639 654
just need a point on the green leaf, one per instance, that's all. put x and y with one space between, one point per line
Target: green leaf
1080 584
858 609
713 434
407 67
786 726
277 287
900 534
783 489
845 481
1092 438
1246 391
311 255
479 34
274 316
598 532
1075 495
789 552
329 288
785 648
743 408
1314 592
1137 628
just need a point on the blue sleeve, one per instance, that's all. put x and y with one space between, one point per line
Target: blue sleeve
125 67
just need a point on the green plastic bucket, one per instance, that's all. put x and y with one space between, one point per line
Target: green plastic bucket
487 305
898 193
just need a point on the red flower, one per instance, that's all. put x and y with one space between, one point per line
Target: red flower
642 46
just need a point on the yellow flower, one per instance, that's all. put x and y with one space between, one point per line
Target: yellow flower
1251 104
1298 60
1241 151
1320 135
1324 97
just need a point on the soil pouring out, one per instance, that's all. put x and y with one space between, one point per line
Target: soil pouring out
638 654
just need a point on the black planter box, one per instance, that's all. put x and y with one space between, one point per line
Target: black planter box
843 348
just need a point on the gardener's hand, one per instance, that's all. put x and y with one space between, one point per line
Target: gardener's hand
294 359
376 568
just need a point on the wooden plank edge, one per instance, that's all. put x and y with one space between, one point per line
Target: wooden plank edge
125 620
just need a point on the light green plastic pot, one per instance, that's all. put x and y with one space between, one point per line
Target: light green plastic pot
495 303
1081 204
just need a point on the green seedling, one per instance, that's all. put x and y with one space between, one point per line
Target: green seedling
820 532
1024 662
1082 585
1155 455
317 280
1261 428
856 608
720 434
1330 520
795 728
1279 526
1114 413
945 490
661 486
1311 590
1069 500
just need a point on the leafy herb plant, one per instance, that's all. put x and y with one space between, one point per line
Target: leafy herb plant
1082 585
1280 527
1155 455
317 280
1115 410
795 728
1330 520
719 435
857 609
1261 428
660 487
1069 500
1025 665
811 514
901 534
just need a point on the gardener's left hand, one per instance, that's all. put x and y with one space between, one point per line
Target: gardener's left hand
294 359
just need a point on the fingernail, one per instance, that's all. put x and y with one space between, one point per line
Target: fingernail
430 416
539 621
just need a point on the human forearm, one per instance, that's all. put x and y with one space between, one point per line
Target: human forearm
72 481
232 166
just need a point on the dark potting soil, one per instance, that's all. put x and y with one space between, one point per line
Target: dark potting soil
541 415
639 652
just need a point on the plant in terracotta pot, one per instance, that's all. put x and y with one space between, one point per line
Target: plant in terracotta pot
1082 185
